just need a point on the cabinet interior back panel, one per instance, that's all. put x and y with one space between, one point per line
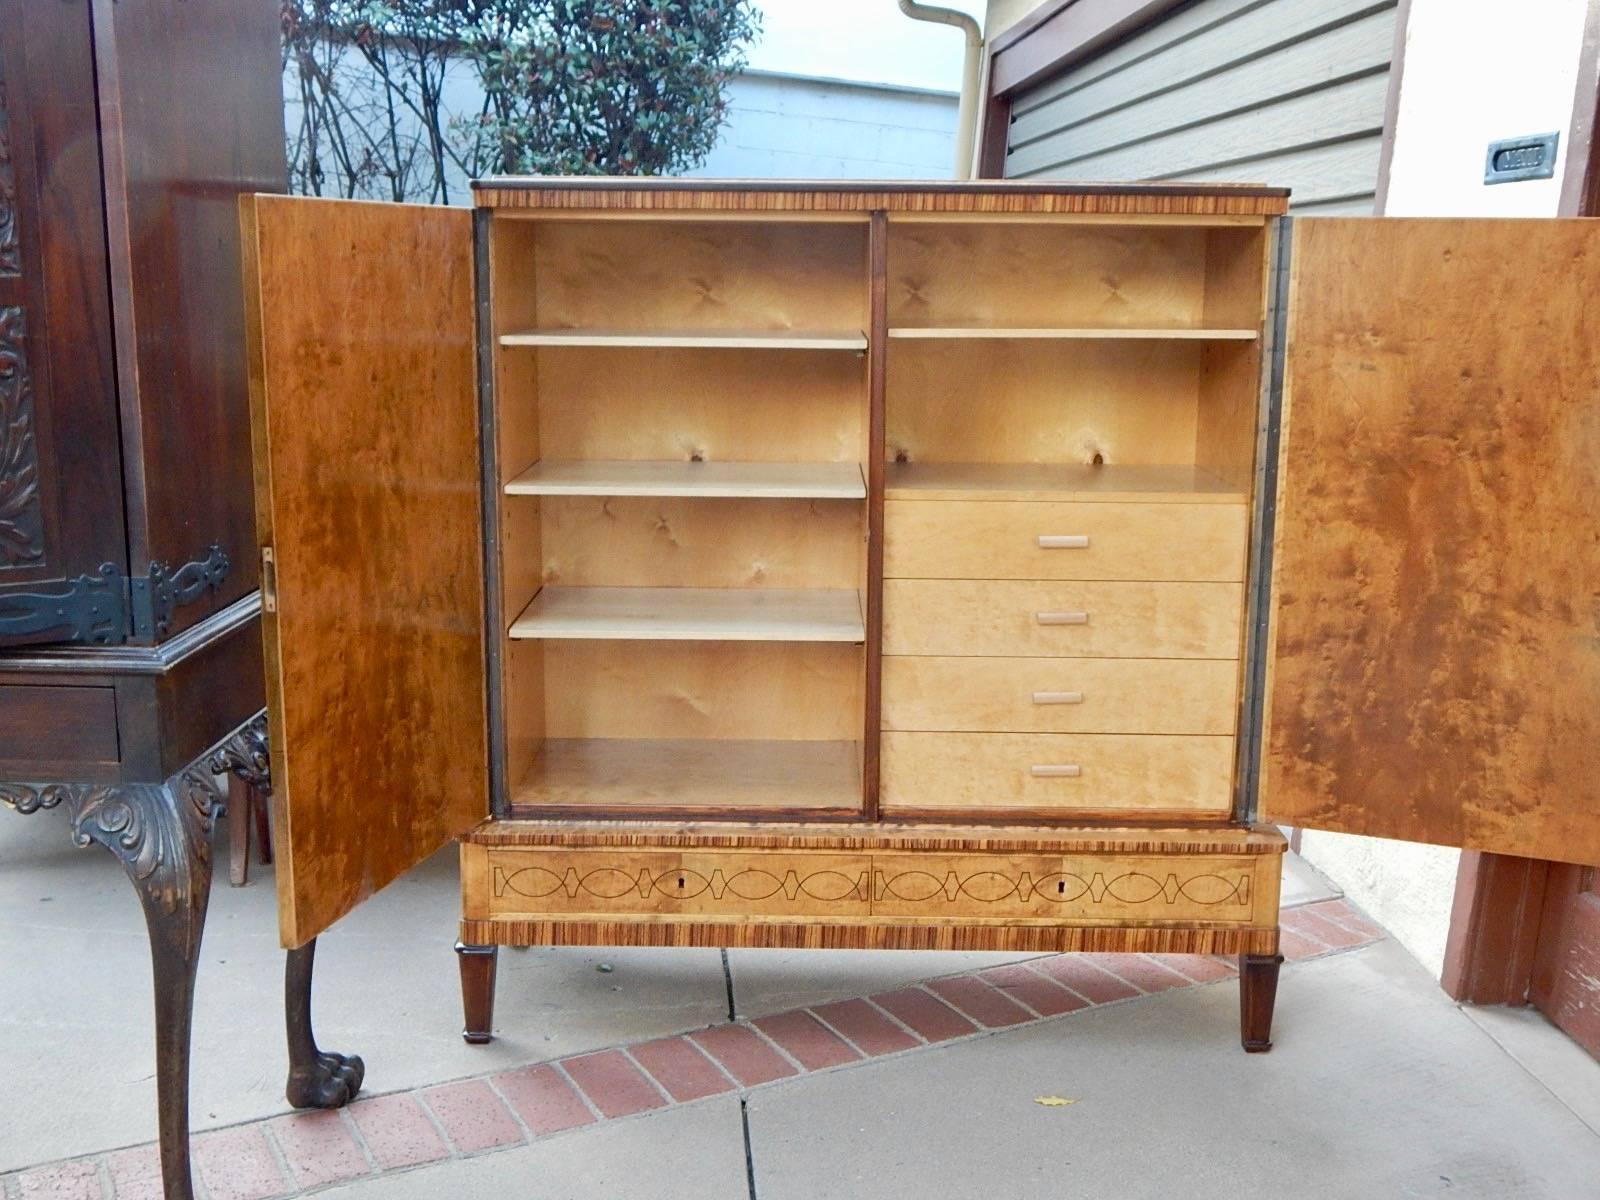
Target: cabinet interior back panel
729 690
712 405
696 542
700 275
1042 401
1042 274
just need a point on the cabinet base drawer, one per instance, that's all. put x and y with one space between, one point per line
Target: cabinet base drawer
1067 774
887 885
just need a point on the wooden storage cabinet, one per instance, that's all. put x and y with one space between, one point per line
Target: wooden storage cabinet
903 565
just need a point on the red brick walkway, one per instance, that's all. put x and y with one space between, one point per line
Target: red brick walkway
302 1152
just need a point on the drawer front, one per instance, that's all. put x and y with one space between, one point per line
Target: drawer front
58 724
1079 888
705 883
932 539
1030 618
1060 695
1067 773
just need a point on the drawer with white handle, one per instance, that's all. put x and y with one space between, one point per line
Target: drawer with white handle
958 539
1031 618
1064 695
1057 772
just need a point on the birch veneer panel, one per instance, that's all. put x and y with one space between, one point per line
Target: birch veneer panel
709 339
1141 483
693 614
1084 775
681 773
1102 333
747 480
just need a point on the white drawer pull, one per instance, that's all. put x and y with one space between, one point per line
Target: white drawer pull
1058 697
1062 618
1055 770
1063 541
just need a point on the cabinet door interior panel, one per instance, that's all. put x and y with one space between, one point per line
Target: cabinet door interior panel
733 480
633 773
1026 618
696 542
1071 774
1434 663
737 690
367 470
1060 695
986 540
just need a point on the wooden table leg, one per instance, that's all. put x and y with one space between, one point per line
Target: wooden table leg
161 834
317 1078
1258 994
239 807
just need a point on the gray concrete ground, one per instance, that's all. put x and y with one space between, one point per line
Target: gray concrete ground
1378 1087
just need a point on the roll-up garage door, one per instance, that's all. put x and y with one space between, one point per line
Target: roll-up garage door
1283 92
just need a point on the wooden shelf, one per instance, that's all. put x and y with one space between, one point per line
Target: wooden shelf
1052 481
1003 333
801 481
622 773
694 614
726 339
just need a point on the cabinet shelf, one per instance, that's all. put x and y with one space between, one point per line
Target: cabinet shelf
725 339
1058 481
1149 333
799 481
649 773
694 614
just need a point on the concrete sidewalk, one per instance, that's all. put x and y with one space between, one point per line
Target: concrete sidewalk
1379 1086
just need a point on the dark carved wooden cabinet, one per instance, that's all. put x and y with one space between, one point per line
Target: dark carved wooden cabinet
130 650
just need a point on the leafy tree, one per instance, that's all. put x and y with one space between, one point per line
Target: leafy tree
562 87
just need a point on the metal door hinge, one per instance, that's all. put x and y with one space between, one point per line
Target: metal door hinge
106 608
269 580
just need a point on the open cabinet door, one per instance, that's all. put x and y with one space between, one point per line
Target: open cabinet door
1434 636
365 423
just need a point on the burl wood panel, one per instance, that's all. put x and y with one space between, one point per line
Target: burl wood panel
1435 664
366 439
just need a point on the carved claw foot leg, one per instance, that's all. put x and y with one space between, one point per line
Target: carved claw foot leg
477 991
1258 993
161 834
317 1078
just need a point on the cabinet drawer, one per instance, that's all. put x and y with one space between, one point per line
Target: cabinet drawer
1101 773
58 724
699 883
1030 618
1060 695
930 539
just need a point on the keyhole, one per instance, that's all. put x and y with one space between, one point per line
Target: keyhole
680 880
1061 888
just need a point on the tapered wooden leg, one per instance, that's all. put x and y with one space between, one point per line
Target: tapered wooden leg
238 831
1258 993
317 1078
477 990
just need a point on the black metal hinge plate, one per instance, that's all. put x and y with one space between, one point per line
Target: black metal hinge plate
105 608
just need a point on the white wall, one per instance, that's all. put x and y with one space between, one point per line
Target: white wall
779 126
1475 71
800 127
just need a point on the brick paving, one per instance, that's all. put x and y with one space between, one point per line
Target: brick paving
300 1153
